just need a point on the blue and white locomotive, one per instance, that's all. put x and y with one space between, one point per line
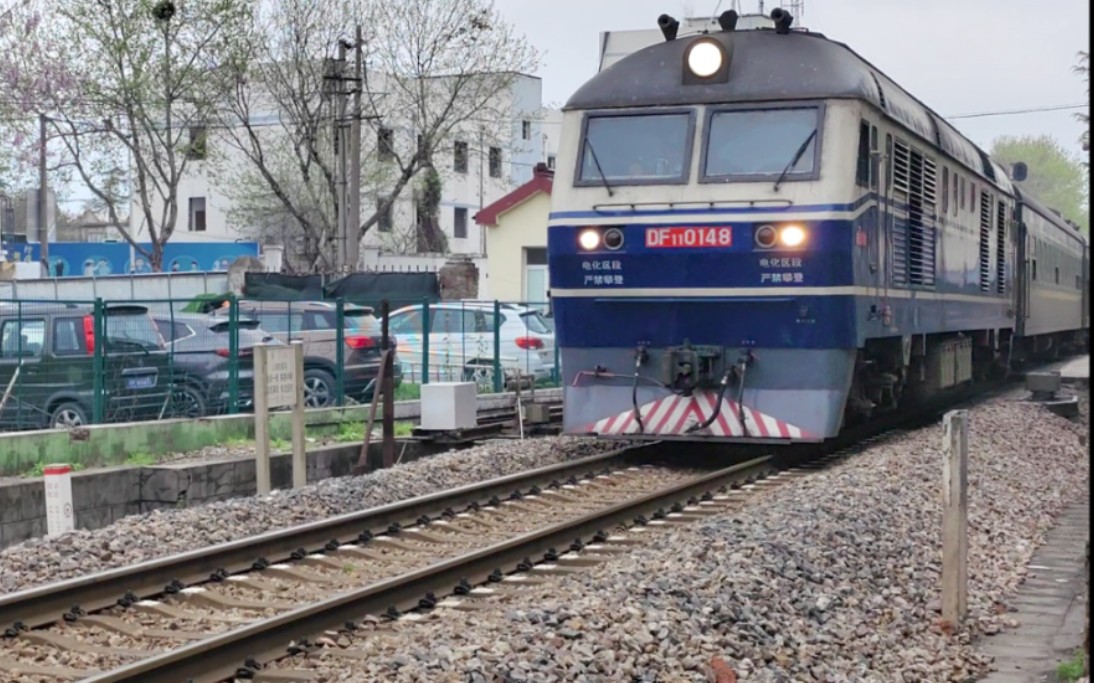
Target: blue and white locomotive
757 236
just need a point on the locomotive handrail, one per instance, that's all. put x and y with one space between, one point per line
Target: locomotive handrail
652 206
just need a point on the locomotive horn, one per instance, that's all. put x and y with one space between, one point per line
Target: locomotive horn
782 20
668 26
728 20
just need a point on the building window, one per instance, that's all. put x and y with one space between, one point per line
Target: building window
199 140
535 256
962 193
1057 276
386 222
459 225
197 214
385 144
551 161
459 157
526 130
495 162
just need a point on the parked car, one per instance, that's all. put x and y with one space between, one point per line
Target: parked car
315 324
200 353
47 365
461 341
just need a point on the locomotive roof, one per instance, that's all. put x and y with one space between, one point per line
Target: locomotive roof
767 66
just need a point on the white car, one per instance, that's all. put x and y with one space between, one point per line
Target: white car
461 341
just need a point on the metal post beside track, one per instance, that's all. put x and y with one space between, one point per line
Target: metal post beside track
955 531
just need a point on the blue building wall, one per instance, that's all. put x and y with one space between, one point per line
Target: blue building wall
71 259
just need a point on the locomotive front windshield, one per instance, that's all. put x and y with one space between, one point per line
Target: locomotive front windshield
650 148
761 142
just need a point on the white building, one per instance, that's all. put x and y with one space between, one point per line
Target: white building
475 172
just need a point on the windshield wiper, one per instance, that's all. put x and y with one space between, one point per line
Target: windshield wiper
120 341
797 156
599 170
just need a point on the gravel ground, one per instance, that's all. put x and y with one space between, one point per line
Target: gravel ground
830 578
158 534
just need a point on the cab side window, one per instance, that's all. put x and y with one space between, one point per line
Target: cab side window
68 336
407 323
22 339
448 321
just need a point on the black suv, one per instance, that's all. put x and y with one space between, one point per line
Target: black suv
47 365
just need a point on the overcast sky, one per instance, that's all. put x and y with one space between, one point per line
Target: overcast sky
957 56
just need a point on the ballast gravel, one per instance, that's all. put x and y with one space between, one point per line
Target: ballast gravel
161 533
833 577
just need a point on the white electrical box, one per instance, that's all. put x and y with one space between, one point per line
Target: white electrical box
447 406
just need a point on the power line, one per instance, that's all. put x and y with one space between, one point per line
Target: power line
1055 107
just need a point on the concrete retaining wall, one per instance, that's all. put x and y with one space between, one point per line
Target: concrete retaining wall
103 496
105 445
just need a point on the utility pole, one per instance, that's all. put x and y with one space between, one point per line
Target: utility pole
353 224
43 197
340 146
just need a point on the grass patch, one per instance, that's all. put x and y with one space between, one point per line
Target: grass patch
237 442
408 392
350 431
354 432
140 460
280 445
1072 670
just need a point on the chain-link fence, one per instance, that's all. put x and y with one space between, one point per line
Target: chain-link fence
73 363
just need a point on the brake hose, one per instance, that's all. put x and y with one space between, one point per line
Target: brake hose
717 408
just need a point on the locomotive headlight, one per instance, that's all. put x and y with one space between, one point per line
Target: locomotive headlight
705 58
589 239
766 236
792 236
613 239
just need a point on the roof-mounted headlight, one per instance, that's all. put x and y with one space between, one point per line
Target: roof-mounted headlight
705 58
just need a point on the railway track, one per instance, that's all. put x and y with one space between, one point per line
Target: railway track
237 610
147 621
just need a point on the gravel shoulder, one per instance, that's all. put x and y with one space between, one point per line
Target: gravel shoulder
831 578
165 532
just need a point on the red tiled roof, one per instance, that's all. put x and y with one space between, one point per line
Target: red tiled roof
542 181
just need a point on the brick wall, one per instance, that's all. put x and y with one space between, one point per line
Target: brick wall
459 279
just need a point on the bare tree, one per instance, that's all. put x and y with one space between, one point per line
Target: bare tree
433 68
145 78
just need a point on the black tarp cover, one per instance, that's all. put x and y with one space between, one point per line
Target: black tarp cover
366 289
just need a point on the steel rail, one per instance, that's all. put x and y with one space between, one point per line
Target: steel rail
223 656
70 598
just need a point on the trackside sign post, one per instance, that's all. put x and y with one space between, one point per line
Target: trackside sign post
955 516
279 383
60 517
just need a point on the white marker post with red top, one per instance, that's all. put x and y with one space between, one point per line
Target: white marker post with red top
60 517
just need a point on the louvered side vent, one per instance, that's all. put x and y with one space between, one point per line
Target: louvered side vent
1000 248
901 180
915 187
921 213
985 242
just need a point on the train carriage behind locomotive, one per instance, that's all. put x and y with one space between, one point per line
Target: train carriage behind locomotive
757 235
